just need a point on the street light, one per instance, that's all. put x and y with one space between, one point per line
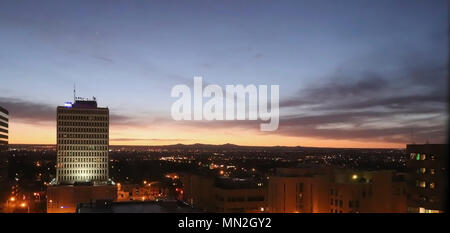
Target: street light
11 199
23 205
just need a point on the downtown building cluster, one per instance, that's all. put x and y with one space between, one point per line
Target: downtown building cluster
302 190
82 179
421 188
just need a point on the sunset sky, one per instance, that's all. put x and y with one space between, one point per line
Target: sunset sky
351 73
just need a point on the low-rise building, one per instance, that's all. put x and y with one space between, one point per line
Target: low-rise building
298 191
307 190
166 206
223 194
367 192
149 191
65 198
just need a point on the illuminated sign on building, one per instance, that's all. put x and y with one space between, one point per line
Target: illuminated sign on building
68 104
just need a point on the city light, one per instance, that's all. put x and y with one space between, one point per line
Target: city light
68 104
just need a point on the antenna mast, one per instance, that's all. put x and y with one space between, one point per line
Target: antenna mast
74 93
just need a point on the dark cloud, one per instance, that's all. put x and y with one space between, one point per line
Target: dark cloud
23 110
414 102
408 106
415 84
419 134
395 102
29 111
337 88
327 126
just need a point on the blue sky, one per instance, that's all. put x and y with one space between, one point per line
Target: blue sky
129 54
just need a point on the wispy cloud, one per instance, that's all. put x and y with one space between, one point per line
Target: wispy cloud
103 58
375 106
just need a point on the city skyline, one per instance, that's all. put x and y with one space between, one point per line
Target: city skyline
348 78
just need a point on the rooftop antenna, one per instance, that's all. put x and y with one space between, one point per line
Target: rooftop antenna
74 93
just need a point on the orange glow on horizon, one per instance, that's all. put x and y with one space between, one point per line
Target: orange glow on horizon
24 133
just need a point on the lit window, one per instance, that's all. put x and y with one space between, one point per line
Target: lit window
432 211
423 184
423 170
432 185
423 157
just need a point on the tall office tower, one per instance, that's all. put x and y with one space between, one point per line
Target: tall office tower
82 142
427 185
3 129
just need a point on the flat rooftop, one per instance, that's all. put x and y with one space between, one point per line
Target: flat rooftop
137 207
81 104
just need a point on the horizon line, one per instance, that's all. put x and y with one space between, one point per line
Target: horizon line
395 148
